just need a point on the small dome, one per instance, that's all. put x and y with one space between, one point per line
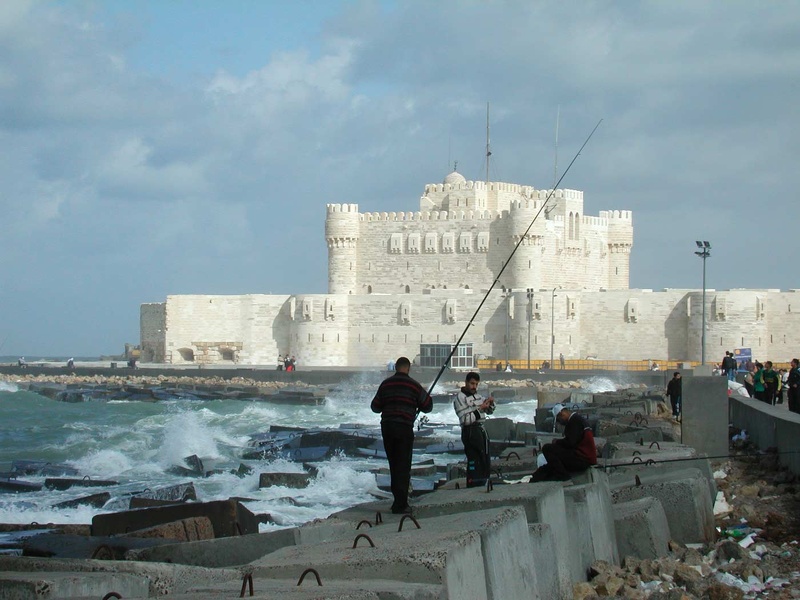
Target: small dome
454 178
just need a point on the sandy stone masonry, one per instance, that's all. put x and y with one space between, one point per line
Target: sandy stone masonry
400 279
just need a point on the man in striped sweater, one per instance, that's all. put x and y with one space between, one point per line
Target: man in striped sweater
399 399
471 409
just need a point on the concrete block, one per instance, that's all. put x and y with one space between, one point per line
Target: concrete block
590 522
24 586
485 554
163 579
240 550
185 530
332 589
626 472
641 528
543 546
686 500
500 428
704 421
228 517
543 503
291 480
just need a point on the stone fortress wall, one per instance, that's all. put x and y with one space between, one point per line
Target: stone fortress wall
463 234
400 279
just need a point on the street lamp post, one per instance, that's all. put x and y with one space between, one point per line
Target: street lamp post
704 253
508 330
552 324
530 311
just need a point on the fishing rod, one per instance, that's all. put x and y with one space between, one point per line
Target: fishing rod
508 260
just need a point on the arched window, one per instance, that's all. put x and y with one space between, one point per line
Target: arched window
408 289
369 289
187 354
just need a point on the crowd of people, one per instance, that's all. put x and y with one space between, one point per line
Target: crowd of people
287 363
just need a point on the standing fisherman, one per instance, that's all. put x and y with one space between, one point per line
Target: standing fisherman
399 398
471 409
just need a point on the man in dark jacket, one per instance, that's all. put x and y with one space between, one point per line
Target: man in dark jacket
674 391
575 452
793 386
399 399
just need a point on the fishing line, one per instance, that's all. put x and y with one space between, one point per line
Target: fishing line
508 260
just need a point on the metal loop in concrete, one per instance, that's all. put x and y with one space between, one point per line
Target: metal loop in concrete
638 481
400 527
101 550
636 453
508 456
363 522
650 462
635 458
656 444
247 579
306 572
110 595
369 539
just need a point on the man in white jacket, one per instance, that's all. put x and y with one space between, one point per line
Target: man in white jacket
471 409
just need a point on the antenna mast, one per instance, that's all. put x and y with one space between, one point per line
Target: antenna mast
555 168
488 152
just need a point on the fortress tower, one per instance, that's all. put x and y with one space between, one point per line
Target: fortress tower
620 242
342 234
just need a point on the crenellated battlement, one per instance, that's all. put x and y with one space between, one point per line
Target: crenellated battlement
473 186
433 215
342 208
617 215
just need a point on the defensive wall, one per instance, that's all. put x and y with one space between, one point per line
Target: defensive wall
330 330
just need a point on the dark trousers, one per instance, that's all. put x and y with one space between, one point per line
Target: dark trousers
560 462
793 395
676 405
398 441
476 447
770 394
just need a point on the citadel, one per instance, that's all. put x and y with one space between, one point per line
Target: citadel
399 282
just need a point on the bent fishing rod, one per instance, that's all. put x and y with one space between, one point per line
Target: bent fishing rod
508 260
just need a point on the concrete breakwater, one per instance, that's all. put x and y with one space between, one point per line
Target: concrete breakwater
515 540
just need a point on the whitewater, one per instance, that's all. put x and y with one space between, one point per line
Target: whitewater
136 443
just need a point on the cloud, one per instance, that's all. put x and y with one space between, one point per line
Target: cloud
121 185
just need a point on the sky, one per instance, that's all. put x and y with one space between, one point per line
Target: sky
156 147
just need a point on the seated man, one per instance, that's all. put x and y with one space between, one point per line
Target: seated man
575 452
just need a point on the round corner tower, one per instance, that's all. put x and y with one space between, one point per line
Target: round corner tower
341 235
525 269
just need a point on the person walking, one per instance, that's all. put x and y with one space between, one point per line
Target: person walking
793 386
399 399
471 409
575 452
675 392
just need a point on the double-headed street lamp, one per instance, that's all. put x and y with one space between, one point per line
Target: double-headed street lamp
704 253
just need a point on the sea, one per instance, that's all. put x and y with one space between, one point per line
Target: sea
136 444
